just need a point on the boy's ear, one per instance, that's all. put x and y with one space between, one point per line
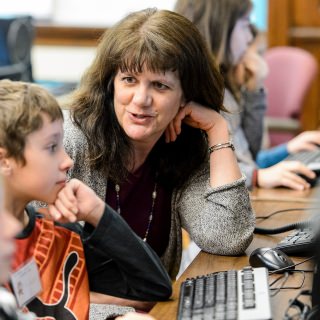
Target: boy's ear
5 163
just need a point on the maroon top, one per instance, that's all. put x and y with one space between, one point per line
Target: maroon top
136 202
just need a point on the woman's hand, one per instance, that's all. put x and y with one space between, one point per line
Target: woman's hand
197 116
77 202
305 141
223 164
251 71
285 174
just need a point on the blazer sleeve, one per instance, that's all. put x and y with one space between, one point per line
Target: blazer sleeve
121 264
220 220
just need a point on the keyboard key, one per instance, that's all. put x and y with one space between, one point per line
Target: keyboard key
298 242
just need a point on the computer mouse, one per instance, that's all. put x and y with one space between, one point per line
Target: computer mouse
315 167
311 181
271 258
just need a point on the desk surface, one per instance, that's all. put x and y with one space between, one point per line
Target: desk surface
206 263
284 194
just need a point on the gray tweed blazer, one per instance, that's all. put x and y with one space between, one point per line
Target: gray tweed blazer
219 220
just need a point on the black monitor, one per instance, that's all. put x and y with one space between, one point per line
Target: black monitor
16 39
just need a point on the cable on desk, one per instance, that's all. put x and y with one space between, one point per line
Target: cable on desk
285 210
297 225
303 308
289 267
277 290
282 285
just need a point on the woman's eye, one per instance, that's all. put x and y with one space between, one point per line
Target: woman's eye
128 79
160 85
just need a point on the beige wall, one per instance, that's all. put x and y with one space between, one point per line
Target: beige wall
60 63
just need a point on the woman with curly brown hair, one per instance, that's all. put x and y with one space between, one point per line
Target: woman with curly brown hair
145 132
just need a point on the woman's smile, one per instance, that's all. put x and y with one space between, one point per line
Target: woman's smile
141 116
146 102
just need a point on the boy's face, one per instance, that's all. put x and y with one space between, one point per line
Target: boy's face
45 171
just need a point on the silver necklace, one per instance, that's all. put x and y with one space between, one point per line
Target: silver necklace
153 195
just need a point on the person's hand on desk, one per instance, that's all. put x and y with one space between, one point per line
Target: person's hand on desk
305 141
135 316
285 174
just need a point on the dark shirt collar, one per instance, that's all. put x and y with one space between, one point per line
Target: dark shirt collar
30 226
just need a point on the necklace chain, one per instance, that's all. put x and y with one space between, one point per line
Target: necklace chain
153 195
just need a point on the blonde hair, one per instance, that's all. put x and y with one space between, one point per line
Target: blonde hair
21 106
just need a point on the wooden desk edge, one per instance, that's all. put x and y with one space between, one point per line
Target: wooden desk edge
205 263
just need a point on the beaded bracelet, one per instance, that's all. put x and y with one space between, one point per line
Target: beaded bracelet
221 146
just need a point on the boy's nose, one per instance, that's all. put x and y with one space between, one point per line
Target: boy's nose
67 162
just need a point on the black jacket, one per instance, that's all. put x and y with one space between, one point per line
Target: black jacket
119 263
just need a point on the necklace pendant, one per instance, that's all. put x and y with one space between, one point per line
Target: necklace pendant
117 189
153 196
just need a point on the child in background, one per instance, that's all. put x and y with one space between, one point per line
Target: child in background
226 27
34 165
